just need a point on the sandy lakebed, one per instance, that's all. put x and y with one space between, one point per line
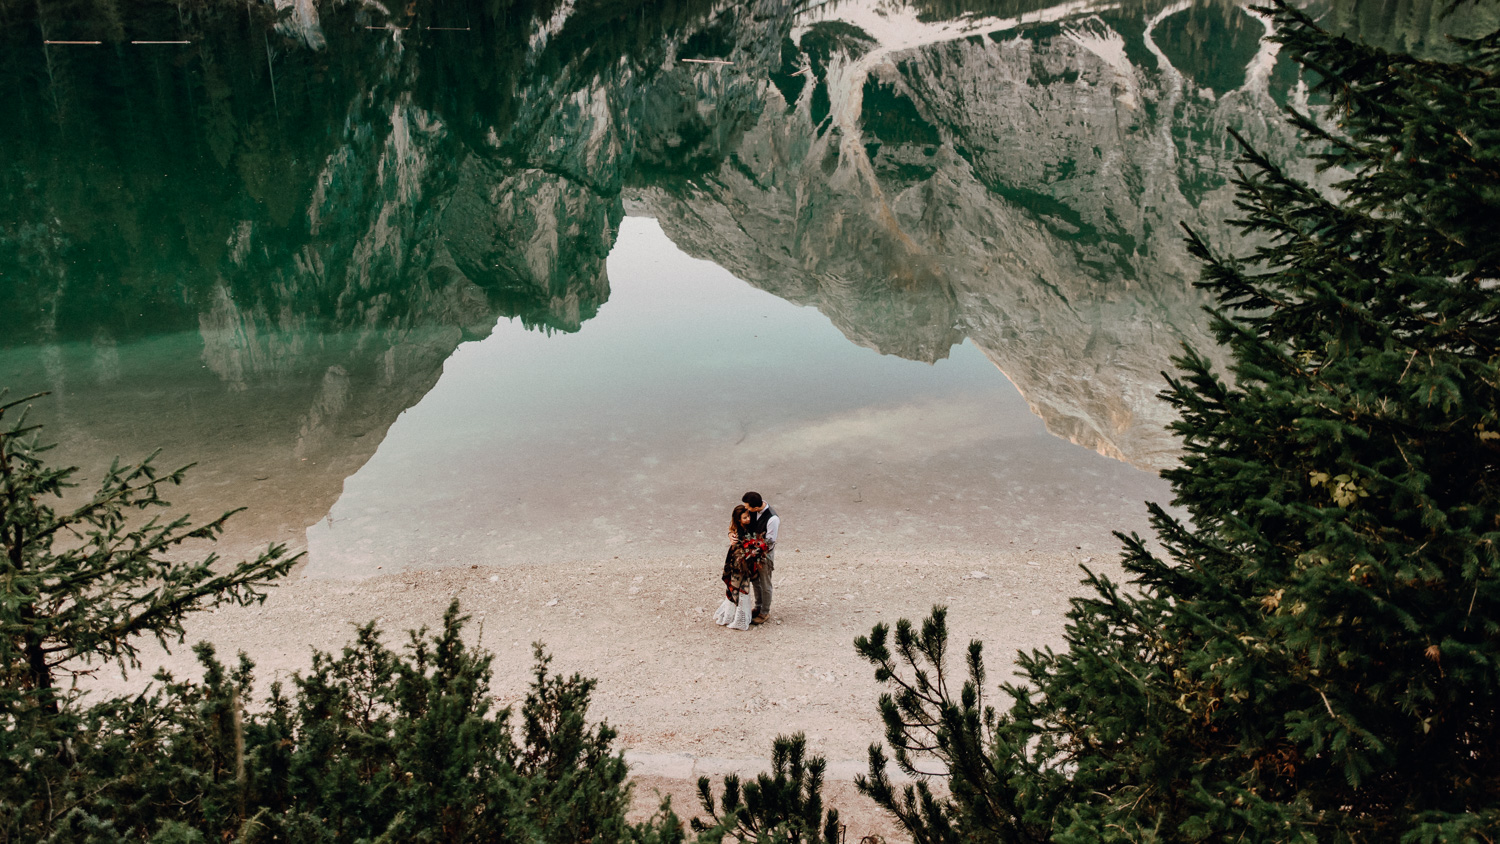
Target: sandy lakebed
687 697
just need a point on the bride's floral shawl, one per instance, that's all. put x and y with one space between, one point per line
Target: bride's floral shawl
742 564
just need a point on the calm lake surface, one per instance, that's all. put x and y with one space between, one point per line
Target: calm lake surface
477 284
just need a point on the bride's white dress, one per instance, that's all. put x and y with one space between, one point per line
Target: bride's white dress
735 616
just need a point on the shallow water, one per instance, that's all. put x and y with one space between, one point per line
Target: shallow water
637 435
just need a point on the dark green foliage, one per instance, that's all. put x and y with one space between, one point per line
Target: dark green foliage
1315 657
408 747
784 806
373 745
890 117
408 739
787 78
1216 41
825 39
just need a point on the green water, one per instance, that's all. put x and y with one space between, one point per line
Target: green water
388 271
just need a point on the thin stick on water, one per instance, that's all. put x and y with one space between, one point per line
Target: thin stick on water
272 68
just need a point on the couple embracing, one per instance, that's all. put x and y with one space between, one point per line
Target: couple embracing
748 565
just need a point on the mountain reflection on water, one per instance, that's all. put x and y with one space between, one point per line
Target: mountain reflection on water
262 245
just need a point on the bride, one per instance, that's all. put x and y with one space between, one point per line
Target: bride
742 563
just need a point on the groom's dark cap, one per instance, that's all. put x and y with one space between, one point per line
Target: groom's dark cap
753 499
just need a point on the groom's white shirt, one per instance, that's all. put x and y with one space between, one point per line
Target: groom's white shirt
771 525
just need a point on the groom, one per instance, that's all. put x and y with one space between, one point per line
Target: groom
762 519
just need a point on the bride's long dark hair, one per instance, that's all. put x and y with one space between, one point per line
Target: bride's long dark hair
734 518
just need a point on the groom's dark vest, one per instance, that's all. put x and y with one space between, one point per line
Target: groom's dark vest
758 524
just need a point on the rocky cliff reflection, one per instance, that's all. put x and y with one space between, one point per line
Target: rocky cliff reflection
284 227
1015 178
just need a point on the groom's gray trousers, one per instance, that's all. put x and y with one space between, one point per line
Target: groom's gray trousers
762 585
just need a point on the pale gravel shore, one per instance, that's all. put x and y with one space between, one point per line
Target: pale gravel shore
688 698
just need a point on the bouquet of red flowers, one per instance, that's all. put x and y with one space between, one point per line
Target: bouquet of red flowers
754 548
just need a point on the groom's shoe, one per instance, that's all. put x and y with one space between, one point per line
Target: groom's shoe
759 618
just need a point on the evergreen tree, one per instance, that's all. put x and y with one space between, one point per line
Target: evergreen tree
938 732
84 585
782 807
1316 656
